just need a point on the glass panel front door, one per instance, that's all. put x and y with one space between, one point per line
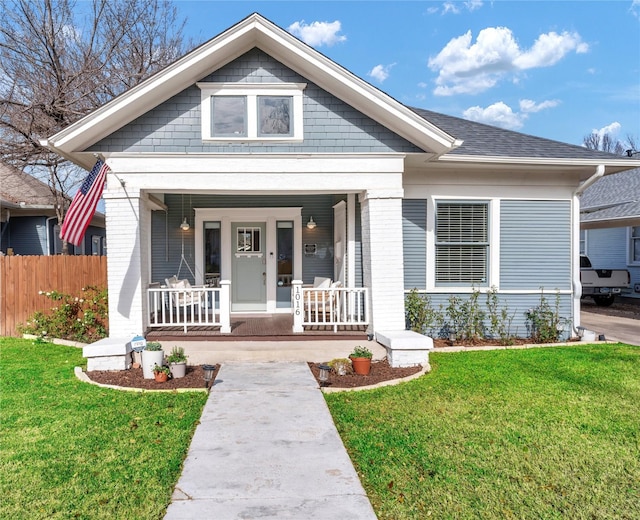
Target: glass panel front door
249 269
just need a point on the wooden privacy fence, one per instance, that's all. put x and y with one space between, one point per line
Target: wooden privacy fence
23 277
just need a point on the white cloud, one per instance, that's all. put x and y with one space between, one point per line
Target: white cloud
528 106
380 72
635 8
318 34
611 129
498 114
465 67
456 7
502 115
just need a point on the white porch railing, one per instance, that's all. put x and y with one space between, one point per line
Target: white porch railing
334 307
185 307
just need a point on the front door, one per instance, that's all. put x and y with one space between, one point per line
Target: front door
249 266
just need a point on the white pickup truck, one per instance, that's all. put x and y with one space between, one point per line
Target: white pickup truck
602 284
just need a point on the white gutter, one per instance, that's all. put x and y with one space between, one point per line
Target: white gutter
575 243
599 173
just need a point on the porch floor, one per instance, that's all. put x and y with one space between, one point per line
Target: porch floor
275 327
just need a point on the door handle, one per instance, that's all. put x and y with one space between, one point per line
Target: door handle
264 278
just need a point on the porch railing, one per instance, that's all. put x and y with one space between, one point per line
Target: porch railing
188 307
334 307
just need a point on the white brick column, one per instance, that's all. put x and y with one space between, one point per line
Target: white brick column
127 261
382 258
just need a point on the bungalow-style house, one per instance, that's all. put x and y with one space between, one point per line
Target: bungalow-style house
254 175
610 225
28 221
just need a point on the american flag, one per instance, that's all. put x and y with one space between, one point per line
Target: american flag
83 205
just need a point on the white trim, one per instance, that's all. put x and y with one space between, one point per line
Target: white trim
484 290
251 91
226 216
351 240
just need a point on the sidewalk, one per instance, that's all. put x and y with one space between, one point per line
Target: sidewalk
267 448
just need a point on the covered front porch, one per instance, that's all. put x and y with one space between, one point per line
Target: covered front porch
250 328
206 308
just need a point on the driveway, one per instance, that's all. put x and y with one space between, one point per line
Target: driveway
620 322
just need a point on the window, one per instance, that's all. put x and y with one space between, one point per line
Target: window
462 243
248 240
634 246
252 111
284 231
274 115
229 116
212 249
583 241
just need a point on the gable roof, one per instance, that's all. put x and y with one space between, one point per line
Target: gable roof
444 138
612 201
19 189
253 31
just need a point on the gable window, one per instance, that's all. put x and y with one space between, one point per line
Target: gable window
228 116
634 246
462 243
252 111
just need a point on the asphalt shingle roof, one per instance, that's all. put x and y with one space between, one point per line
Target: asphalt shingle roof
484 140
17 186
618 195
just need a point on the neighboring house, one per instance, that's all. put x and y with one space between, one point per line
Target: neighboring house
256 165
28 222
610 224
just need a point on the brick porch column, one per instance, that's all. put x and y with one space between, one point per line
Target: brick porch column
382 258
128 234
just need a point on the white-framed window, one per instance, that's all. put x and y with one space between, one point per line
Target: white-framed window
634 245
462 243
583 241
252 112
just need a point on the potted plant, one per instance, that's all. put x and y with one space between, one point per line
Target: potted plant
177 360
152 355
161 373
361 360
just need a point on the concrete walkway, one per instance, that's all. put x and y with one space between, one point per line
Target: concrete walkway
614 328
266 448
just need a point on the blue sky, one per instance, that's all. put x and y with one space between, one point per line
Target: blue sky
558 70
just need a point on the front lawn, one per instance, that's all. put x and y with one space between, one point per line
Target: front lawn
73 450
526 434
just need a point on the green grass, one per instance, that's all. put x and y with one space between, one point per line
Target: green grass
529 434
73 450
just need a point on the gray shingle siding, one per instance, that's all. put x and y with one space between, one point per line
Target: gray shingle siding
535 244
330 125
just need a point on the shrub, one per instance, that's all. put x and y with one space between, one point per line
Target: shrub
420 315
544 322
78 318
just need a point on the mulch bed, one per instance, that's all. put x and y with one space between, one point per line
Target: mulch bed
133 378
380 371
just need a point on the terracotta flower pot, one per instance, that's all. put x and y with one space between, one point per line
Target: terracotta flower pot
160 377
361 366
